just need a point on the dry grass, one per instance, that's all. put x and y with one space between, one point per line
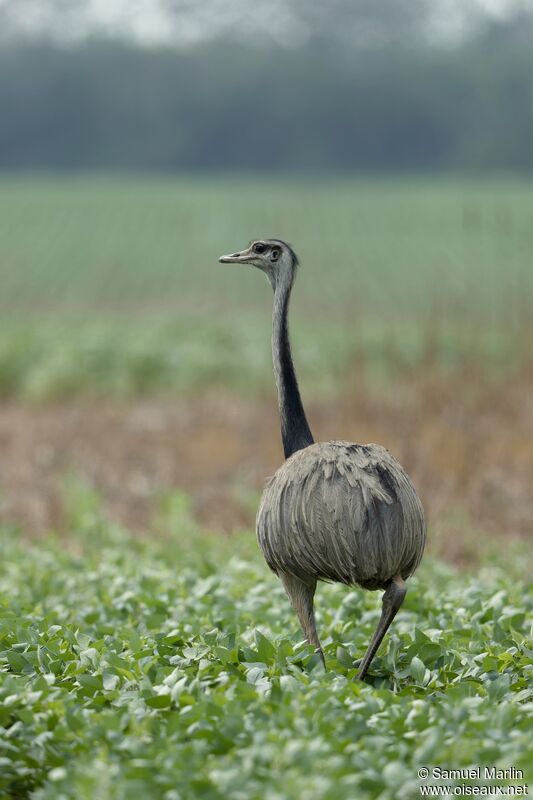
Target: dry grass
466 441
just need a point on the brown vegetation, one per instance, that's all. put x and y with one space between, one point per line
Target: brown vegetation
467 443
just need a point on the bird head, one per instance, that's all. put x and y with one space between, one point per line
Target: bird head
276 258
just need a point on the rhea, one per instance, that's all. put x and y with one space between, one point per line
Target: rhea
334 511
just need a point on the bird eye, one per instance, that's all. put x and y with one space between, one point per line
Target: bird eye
275 254
259 248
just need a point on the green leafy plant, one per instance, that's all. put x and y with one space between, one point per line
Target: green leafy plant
173 668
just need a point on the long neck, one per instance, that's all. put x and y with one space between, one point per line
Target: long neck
295 431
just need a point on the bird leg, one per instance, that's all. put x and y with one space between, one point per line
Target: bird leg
392 600
300 594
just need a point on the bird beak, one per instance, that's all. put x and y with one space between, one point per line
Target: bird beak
236 258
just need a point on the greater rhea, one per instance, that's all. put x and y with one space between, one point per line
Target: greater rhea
334 511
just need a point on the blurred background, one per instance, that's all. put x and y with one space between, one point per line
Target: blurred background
390 141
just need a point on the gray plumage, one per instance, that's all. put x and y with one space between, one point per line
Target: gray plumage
334 511
343 512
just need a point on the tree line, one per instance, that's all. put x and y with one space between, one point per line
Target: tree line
326 105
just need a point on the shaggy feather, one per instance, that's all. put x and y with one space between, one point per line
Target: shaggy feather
338 511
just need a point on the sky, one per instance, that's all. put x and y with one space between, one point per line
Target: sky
154 22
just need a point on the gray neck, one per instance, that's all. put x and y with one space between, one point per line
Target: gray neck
295 431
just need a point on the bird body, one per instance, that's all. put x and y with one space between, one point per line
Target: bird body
337 511
334 511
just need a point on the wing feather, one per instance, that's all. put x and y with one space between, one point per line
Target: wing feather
343 512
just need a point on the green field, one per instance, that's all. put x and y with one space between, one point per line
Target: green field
398 248
166 662
175 669
115 283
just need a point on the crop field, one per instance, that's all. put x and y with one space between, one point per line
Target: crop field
145 649
174 669
115 285
401 248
